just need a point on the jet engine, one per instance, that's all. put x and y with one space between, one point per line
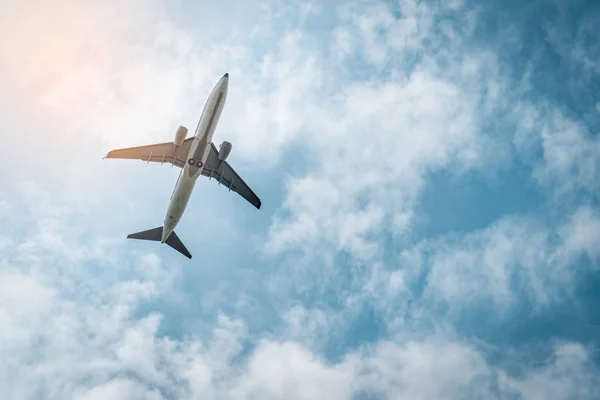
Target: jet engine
180 135
224 151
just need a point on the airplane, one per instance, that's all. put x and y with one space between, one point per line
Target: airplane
195 156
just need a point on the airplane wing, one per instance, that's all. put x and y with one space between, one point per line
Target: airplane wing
161 152
226 175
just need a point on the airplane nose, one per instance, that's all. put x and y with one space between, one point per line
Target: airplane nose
226 75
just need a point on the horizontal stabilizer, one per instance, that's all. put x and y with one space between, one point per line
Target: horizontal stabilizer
151 234
174 242
156 235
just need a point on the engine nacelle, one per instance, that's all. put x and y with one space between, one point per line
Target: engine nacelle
224 151
180 135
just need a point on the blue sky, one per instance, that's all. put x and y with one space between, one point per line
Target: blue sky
429 177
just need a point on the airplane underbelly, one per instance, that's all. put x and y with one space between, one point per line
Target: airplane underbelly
179 200
200 149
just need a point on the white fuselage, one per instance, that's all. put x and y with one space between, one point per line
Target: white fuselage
196 157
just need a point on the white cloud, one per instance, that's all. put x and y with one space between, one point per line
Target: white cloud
427 370
306 326
290 371
582 233
25 301
118 389
572 44
372 162
570 155
487 264
73 357
500 268
568 375
379 138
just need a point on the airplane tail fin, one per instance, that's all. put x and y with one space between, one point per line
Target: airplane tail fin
155 235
